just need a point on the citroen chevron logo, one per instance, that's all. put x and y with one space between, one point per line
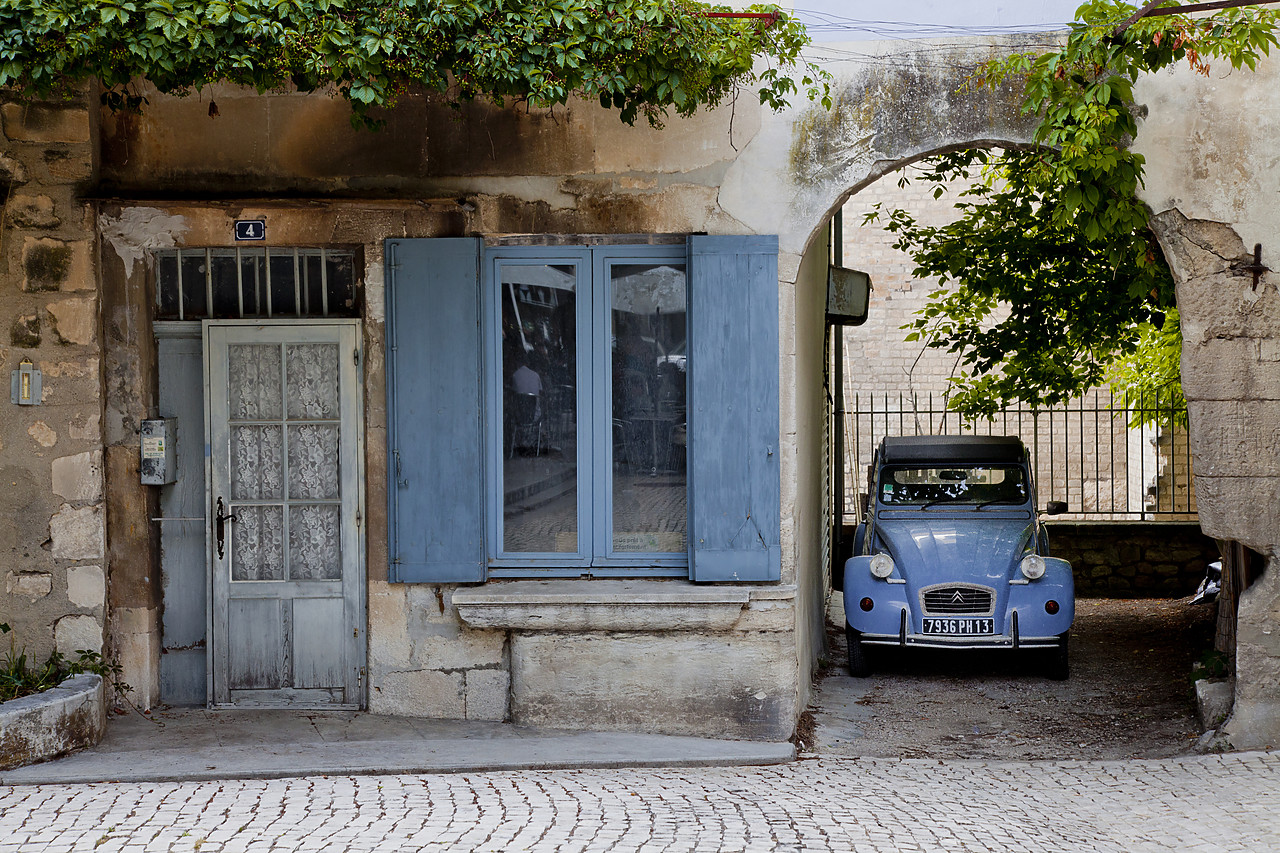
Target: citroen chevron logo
957 597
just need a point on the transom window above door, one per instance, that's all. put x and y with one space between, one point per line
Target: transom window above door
245 282
586 397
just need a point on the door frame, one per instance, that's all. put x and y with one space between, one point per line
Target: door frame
358 668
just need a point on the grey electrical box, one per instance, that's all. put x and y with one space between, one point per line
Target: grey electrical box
159 463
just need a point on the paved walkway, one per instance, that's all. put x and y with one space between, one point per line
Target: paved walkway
1202 803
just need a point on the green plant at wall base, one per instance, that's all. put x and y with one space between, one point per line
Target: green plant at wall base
1053 269
637 56
19 677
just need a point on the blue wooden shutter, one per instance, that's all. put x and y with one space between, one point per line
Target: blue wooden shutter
734 485
435 483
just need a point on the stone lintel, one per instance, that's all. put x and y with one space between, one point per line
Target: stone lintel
602 605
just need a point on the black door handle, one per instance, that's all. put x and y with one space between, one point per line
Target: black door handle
220 520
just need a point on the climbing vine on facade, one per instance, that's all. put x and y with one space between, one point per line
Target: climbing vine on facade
641 57
1055 278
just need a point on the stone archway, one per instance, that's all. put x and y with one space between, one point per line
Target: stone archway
1211 177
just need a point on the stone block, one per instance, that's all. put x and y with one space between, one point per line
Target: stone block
1235 438
74 321
135 636
418 693
487 693
79 477
33 211
1230 369
33 585
51 264
732 685
69 165
86 427
1241 509
77 533
73 633
601 605
25 331
24 122
42 434
12 171
86 586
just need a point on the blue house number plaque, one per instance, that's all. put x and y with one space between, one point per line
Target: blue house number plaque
251 229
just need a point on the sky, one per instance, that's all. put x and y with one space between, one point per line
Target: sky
864 20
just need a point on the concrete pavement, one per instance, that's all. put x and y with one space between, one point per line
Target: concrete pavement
192 744
1200 803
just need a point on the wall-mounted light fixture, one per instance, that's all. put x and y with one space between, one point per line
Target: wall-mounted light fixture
848 293
26 386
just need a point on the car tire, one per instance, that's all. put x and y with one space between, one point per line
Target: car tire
1059 665
858 665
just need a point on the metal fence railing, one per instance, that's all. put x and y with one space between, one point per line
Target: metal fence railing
1122 458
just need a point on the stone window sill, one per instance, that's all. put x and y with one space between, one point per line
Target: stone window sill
608 605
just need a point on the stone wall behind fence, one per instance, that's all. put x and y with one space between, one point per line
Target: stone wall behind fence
1133 560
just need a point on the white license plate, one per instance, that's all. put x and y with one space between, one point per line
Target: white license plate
959 627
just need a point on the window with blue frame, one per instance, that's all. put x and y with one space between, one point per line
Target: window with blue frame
586 404
583 410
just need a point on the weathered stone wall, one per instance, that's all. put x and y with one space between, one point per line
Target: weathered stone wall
1139 560
1212 179
52 519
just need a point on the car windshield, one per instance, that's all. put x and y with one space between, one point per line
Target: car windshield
953 484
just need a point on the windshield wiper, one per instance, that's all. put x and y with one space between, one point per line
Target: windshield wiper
941 501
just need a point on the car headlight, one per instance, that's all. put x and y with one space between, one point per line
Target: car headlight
1032 567
881 566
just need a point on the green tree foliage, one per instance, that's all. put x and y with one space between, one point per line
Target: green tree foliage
1054 272
638 56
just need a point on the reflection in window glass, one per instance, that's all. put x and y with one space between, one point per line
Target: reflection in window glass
539 408
648 334
981 484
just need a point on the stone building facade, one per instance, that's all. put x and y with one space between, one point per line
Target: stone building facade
106 212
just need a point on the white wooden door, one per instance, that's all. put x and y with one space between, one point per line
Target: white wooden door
285 512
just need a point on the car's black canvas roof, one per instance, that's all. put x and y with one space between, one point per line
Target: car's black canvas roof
951 448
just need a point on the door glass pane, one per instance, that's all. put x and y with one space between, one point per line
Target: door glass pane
257 465
312 372
195 294
253 372
257 543
648 340
539 408
313 542
313 462
284 297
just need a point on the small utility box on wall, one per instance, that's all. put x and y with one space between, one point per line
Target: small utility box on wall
159 463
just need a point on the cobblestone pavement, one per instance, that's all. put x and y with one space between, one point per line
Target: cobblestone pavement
1203 803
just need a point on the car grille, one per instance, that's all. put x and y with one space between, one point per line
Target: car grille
957 599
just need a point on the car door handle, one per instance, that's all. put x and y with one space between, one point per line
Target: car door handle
220 521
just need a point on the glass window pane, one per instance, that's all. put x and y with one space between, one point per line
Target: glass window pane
195 299
257 463
341 280
312 285
314 552
253 276
539 408
257 543
284 300
226 297
253 373
167 286
648 342
312 376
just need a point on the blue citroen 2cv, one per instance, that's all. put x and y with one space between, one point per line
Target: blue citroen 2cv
952 554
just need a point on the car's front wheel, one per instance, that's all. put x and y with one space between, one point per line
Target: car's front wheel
858 666
1059 666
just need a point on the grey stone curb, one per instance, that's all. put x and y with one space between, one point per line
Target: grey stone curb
71 716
